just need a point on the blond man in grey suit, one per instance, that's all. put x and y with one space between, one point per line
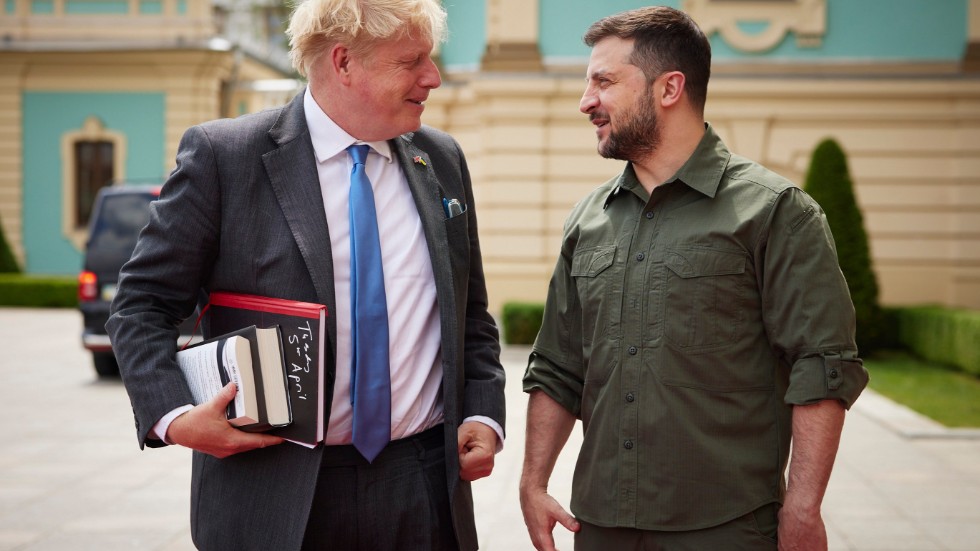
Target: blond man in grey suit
259 205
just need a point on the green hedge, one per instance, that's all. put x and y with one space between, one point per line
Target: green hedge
944 335
38 291
521 321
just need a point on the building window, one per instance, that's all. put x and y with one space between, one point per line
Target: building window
42 7
94 168
151 7
96 7
92 157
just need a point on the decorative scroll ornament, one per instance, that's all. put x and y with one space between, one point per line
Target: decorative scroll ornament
806 18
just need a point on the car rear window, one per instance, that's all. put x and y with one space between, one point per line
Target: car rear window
115 229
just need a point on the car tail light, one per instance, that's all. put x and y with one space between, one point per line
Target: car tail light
88 286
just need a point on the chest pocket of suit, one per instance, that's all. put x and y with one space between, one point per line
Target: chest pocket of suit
704 306
458 238
593 273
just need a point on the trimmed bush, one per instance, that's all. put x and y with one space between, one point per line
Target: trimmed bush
944 335
8 264
521 321
38 291
828 181
889 337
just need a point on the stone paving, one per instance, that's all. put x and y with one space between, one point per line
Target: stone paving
73 478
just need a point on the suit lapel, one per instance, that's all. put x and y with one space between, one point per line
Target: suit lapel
428 195
293 175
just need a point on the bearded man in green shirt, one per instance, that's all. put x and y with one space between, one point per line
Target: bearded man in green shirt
696 322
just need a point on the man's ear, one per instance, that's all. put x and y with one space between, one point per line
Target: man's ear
340 62
672 88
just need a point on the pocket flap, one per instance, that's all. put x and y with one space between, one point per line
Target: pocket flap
693 262
591 263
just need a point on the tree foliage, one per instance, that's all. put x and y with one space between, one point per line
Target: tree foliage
8 264
829 182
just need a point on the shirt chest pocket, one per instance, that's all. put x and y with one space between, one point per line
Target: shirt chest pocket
593 273
704 297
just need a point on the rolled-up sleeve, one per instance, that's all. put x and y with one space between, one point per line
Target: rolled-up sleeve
550 378
830 375
556 365
807 308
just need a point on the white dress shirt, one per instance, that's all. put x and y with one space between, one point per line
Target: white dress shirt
413 314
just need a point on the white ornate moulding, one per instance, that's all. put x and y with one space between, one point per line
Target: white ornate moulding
806 18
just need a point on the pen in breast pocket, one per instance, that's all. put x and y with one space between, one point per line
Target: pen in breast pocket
452 207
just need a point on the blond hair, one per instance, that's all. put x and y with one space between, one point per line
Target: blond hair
317 25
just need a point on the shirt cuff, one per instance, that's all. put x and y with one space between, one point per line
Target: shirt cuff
159 430
829 376
492 424
559 384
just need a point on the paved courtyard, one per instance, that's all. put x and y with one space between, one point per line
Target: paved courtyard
73 478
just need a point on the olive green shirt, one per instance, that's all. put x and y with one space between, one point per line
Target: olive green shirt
681 327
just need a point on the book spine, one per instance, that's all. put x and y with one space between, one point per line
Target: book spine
253 344
265 304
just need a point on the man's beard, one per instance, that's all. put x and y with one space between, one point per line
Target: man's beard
638 135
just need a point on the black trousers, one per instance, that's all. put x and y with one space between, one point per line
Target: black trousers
398 502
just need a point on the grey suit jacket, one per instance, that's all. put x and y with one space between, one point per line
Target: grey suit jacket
243 212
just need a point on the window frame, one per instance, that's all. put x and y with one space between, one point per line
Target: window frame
92 130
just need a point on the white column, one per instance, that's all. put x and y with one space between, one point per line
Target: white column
512 36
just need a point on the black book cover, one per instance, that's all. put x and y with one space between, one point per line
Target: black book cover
302 327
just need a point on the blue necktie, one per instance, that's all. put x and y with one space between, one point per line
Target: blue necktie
370 379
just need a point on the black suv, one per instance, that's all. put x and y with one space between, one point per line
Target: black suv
118 215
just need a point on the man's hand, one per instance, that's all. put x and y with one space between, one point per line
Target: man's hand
548 427
801 530
477 447
205 428
541 513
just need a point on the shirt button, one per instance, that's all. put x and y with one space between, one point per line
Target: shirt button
833 373
649 215
632 350
630 397
628 444
640 257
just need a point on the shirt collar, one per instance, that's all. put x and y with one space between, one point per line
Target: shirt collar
702 171
705 167
329 139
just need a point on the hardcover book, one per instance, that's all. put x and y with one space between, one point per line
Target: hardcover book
302 326
251 358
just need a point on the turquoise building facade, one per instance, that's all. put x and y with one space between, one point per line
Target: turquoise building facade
857 30
897 82
139 116
119 76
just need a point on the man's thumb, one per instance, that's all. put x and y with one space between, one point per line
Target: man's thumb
226 395
569 522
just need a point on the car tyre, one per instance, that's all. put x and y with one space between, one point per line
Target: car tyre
105 364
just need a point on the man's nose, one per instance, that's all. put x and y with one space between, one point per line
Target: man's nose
430 77
589 101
